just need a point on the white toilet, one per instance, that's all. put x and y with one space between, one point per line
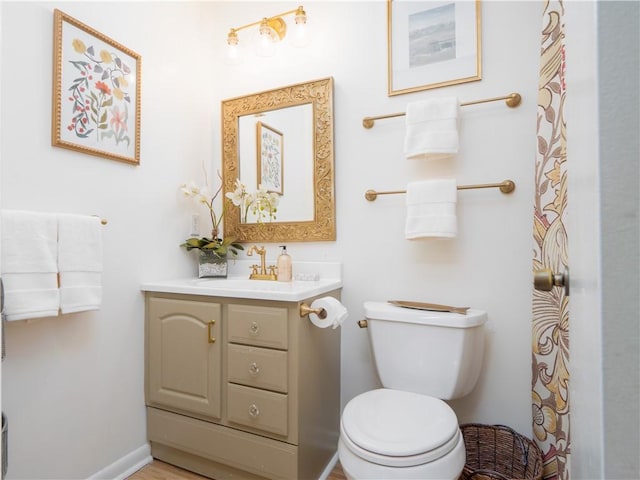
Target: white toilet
405 430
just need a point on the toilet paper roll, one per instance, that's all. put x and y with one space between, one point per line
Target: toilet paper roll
336 313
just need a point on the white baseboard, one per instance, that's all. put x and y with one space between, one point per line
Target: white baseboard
327 470
135 460
125 466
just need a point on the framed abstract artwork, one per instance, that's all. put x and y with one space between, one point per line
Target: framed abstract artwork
432 44
96 92
270 158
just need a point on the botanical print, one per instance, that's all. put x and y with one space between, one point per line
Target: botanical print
96 92
98 102
550 348
270 158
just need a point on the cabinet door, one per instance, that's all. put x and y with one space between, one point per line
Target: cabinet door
184 355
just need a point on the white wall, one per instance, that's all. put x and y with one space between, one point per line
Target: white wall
73 386
583 223
489 265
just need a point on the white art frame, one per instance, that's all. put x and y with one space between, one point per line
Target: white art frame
432 44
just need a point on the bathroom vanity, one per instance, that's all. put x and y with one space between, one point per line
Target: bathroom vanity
239 384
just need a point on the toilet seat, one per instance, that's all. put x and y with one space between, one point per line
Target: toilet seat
399 429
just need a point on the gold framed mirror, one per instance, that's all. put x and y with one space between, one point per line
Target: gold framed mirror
297 121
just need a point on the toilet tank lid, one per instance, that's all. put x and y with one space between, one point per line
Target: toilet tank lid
389 312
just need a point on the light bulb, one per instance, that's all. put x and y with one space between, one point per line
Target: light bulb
264 43
300 36
233 52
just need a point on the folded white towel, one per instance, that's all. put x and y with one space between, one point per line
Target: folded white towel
29 266
79 262
431 209
432 128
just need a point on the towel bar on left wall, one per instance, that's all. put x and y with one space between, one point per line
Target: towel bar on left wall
507 186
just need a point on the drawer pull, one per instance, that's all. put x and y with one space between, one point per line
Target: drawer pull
254 411
210 337
254 369
254 328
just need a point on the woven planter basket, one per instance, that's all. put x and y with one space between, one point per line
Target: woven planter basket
496 452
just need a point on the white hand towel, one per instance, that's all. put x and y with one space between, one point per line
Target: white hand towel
432 128
431 209
79 262
29 266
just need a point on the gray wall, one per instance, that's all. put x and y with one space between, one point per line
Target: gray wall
618 42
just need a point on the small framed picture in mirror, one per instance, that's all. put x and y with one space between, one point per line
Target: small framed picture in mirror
270 158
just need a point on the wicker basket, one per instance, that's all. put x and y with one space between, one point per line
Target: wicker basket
496 452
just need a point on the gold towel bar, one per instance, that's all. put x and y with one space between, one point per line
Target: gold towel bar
507 186
512 100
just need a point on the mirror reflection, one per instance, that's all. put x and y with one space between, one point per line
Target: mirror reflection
276 152
282 141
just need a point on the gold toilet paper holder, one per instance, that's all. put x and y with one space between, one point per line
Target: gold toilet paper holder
305 310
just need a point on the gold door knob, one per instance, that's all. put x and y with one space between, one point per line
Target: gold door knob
544 280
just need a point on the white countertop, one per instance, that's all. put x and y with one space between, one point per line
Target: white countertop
238 285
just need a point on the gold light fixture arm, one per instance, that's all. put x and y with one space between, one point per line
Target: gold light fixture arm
268 20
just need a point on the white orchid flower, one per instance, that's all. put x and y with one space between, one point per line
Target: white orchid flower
189 189
237 195
274 199
248 199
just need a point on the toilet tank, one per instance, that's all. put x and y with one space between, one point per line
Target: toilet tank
433 353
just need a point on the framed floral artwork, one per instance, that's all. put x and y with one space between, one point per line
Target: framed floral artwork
96 92
432 44
270 158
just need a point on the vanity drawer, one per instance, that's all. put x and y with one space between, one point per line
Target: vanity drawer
260 326
257 408
257 367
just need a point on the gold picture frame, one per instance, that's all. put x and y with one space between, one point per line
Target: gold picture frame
432 44
270 157
96 92
317 96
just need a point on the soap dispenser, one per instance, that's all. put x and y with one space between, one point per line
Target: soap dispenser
284 265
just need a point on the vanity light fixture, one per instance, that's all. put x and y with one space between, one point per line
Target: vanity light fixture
271 31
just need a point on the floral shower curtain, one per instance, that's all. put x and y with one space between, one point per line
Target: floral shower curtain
550 348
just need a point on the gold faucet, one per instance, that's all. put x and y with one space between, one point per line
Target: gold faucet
262 275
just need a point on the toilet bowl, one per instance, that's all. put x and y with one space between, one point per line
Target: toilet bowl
394 434
406 430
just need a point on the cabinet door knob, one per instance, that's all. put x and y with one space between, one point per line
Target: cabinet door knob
254 411
544 280
254 328
210 337
254 369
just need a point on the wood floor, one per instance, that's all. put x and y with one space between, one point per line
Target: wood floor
158 470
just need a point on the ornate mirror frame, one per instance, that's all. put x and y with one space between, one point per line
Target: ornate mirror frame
322 227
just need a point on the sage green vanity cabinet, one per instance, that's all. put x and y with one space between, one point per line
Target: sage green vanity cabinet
241 388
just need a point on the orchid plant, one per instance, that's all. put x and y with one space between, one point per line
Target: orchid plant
219 246
262 204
